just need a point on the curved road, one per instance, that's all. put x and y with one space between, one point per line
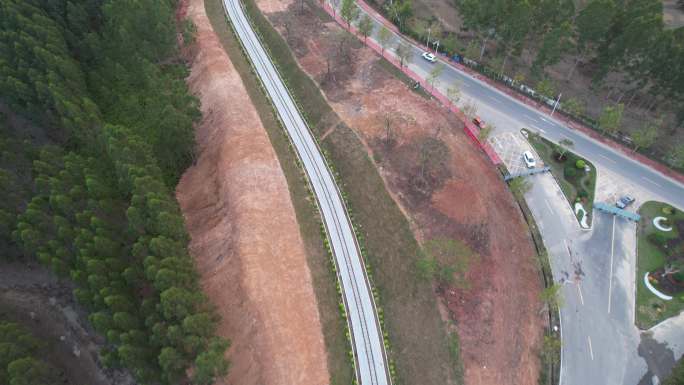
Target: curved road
367 341
510 115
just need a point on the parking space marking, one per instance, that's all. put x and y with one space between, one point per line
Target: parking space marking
610 280
650 181
591 351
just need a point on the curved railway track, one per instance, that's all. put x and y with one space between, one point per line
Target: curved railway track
367 341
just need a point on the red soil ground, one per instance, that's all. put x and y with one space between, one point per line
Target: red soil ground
245 238
498 318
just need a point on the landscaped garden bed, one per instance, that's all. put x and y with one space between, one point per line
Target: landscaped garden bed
661 254
576 176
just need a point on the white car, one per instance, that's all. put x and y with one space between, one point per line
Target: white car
529 159
429 57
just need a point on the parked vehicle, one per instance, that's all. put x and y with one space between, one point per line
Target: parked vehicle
528 158
479 122
624 201
429 57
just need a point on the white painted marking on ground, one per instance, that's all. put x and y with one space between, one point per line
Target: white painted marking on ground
548 205
650 181
567 247
579 291
607 158
591 351
610 280
537 128
544 119
495 100
530 117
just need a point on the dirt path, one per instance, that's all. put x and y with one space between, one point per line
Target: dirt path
461 196
245 238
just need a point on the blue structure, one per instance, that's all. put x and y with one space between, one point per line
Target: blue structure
531 171
611 209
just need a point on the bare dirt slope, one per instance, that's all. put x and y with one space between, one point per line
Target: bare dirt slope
245 238
461 196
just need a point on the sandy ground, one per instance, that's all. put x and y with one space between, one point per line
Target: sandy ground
245 238
497 318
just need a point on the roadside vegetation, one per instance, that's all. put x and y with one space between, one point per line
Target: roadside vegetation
677 375
606 58
334 325
92 175
420 350
576 176
661 254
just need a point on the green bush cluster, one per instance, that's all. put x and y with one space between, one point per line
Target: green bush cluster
20 362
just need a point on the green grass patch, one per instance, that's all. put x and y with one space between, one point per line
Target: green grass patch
420 346
650 309
576 184
323 277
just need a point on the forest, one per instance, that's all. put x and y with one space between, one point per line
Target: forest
88 183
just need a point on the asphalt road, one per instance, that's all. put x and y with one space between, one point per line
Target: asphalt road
508 114
367 342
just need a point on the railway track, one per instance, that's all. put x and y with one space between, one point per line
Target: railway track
367 339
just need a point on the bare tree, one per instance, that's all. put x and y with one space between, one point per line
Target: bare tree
435 73
384 37
365 27
454 93
563 147
404 53
469 108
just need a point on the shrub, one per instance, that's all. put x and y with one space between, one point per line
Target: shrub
570 171
657 238
667 210
679 277
580 164
583 193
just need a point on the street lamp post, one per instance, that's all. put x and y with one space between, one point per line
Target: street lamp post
555 105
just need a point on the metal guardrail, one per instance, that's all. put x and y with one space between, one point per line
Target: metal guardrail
527 172
611 209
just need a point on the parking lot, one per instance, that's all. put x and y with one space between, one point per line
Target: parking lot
510 147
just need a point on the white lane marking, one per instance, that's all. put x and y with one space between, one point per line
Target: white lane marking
529 117
548 205
544 119
492 98
650 181
591 351
579 290
537 128
610 279
607 158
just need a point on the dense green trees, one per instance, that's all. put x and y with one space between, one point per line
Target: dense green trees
97 203
618 35
19 364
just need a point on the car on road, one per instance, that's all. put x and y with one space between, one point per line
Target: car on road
528 158
479 122
624 201
429 57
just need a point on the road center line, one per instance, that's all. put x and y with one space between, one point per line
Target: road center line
591 351
579 290
650 181
607 158
537 128
610 279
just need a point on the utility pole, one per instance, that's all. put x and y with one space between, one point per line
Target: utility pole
437 47
555 105
428 37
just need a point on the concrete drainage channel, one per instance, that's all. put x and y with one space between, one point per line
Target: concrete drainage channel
367 342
